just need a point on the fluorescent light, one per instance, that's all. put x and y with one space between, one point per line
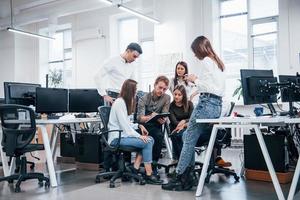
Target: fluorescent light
29 34
107 2
138 14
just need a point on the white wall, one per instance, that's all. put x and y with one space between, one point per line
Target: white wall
182 22
7 61
26 57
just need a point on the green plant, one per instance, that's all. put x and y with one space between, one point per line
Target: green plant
238 91
55 77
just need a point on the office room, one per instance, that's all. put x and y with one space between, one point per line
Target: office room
153 99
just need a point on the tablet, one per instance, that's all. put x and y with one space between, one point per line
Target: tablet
157 116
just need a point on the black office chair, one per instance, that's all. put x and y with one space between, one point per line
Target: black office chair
115 151
223 140
17 136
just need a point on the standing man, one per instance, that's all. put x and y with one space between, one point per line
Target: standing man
116 70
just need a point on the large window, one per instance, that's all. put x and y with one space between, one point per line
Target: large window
60 60
248 37
234 41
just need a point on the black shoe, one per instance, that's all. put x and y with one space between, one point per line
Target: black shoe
174 184
153 180
188 178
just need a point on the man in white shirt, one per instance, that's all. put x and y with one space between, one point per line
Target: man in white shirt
116 70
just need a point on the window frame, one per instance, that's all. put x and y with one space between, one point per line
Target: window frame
250 37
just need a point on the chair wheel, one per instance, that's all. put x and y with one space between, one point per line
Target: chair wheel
97 180
207 180
237 179
112 185
47 184
41 183
17 189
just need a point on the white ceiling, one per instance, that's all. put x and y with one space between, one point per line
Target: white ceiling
32 11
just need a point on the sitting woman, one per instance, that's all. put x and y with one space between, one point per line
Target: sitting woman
180 112
121 109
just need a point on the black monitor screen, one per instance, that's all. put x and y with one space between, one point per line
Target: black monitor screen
51 100
20 93
255 84
291 92
84 100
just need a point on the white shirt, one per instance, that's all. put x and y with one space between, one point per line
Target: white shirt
119 120
113 73
189 88
210 78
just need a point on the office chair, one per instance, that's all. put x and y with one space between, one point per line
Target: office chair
17 136
115 151
223 140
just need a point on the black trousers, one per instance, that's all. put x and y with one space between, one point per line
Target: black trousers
177 143
155 131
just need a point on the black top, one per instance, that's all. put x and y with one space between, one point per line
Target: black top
177 114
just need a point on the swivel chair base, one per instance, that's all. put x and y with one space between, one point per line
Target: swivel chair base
122 172
23 176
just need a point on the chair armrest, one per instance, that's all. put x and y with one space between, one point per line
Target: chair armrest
119 138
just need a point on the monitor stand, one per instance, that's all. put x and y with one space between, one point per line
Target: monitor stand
292 110
272 109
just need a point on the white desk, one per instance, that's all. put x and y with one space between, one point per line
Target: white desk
297 171
47 145
230 122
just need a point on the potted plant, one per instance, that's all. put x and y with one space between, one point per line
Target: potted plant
238 91
55 77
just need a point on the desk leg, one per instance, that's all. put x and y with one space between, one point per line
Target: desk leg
295 181
168 145
206 160
54 143
269 163
4 162
50 164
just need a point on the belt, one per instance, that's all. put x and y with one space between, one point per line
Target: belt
210 95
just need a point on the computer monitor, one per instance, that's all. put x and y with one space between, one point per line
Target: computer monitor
20 93
84 100
259 86
51 100
290 92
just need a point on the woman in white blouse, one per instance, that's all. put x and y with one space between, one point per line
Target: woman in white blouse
181 72
210 82
119 119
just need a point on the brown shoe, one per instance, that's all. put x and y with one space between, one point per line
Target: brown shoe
222 163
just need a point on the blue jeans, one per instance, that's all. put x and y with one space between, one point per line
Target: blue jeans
138 143
207 108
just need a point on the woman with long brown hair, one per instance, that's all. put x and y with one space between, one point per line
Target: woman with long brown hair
180 112
211 85
181 72
119 119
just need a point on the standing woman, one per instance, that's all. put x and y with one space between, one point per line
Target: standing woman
211 85
181 72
